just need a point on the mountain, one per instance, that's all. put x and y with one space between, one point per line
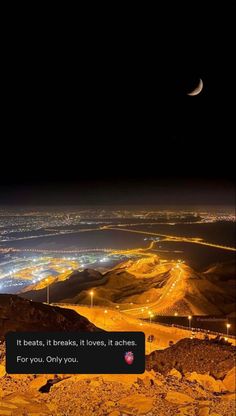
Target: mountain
166 287
17 314
116 286
61 289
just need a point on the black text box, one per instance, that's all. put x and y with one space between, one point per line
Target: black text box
75 352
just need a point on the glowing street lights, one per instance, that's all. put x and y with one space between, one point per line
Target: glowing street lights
48 294
189 321
91 298
105 312
150 316
227 327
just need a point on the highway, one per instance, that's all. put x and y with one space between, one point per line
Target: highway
116 320
171 292
172 238
166 237
46 251
143 251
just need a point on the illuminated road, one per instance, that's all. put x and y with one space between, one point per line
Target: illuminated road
136 251
172 291
166 237
172 238
32 237
115 320
43 250
82 250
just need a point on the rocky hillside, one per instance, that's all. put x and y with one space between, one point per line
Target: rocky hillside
180 287
17 314
115 286
188 355
74 284
150 394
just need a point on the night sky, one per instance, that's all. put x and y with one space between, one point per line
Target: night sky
107 118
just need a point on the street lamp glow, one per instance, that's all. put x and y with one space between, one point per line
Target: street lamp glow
189 320
105 312
48 294
91 298
151 316
228 326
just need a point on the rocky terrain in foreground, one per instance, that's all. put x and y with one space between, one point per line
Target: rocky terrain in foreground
152 394
17 314
191 378
214 356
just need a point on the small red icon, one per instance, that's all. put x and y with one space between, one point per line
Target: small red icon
129 357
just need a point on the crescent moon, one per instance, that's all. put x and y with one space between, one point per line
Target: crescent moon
198 89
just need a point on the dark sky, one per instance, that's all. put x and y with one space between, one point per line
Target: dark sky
106 118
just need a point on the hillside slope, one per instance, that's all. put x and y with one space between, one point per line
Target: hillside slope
166 287
17 314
